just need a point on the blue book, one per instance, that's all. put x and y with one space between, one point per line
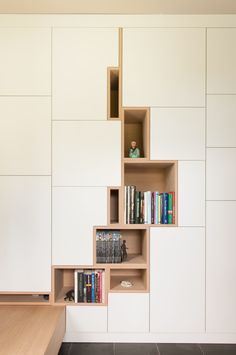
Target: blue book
164 208
93 295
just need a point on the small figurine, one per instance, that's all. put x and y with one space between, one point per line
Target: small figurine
70 296
124 248
134 151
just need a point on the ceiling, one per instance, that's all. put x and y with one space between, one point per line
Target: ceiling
118 6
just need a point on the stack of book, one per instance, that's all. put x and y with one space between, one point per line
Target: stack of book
89 286
108 246
149 207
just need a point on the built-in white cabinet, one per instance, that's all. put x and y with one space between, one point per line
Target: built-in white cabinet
220 266
128 312
86 319
191 193
80 60
75 211
25 230
221 58
221 121
86 153
177 280
177 133
25 61
221 174
25 130
164 67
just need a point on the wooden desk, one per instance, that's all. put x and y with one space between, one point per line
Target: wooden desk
31 330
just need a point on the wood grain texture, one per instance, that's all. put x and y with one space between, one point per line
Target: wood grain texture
27 330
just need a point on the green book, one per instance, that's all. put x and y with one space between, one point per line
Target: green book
170 208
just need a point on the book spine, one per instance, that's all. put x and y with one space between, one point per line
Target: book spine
93 290
97 286
100 287
141 207
160 208
170 208
165 208
137 207
173 206
156 210
145 208
152 206
125 204
103 286
88 287
128 205
76 286
148 208
132 204
80 286
84 290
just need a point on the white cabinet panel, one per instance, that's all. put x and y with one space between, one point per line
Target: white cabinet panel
80 60
177 280
86 153
86 319
25 136
164 67
25 230
177 133
221 174
25 61
191 193
221 121
128 312
221 266
75 212
221 58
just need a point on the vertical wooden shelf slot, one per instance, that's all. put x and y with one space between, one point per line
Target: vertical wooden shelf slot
113 108
113 205
136 128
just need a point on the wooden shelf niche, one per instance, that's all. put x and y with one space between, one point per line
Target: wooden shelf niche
64 281
113 90
25 298
152 176
114 205
139 279
136 128
137 243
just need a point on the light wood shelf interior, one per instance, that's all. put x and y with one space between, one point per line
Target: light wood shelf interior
151 175
113 105
114 210
136 128
138 277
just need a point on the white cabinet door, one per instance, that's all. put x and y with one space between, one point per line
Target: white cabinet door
128 312
75 212
80 60
221 121
191 193
25 136
25 61
221 174
164 67
86 153
177 280
25 233
89 319
221 58
177 133
221 267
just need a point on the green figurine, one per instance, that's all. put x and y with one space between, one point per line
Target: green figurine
134 151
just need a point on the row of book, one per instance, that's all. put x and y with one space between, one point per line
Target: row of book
149 207
89 286
108 246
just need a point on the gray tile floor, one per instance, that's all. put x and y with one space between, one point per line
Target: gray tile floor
146 349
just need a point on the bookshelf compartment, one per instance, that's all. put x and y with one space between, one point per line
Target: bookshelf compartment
137 277
137 243
25 298
64 281
113 205
136 128
113 93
